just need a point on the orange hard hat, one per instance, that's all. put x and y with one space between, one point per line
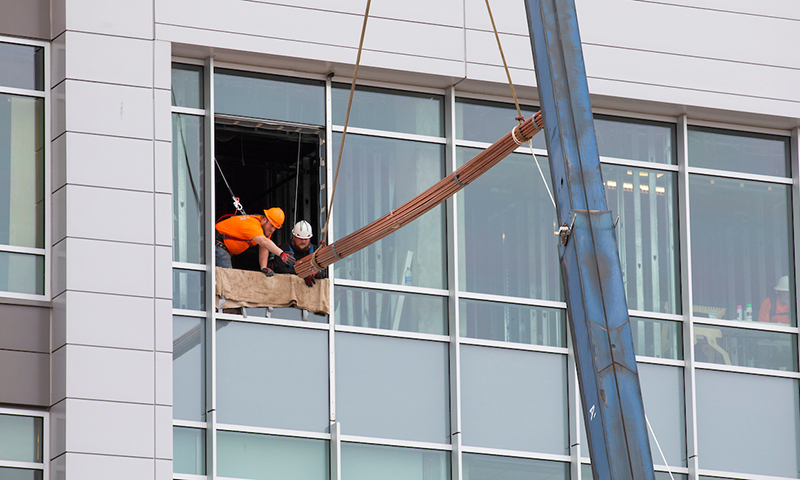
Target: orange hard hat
275 216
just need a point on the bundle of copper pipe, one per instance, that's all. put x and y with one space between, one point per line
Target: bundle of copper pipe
422 203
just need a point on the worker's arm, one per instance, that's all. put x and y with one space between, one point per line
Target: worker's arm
267 246
265 242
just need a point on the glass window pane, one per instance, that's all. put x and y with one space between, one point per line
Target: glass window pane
491 467
188 368
7 473
271 97
662 393
187 86
188 289
506 322
269 376
741 247
483 121
392 388
747 423
369 462
391 110
269 457
745 347
21 273
657 338
21 438
514 400
188 189
505 231
21 171
647 235
378 175
390 310
635 139
189 450
21 66
739 151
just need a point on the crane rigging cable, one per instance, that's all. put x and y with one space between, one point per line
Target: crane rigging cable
422 203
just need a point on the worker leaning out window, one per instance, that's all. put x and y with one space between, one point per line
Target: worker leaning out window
238 233
298 247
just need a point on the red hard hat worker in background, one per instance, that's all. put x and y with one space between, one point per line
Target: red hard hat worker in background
240 232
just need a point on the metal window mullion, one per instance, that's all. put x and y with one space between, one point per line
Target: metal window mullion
794 148
690 400
573 410
211 330
47 144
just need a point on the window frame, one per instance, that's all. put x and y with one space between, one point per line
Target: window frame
44 467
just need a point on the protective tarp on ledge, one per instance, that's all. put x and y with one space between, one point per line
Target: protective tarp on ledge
251 289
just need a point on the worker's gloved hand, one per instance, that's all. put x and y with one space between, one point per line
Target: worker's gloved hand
310 280
287 258
267 271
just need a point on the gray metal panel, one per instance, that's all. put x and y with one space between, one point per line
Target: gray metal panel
25 378
25 328
30 18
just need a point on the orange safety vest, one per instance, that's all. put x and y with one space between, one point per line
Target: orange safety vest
239 231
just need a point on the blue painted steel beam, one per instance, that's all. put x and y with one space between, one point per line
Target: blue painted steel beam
613 411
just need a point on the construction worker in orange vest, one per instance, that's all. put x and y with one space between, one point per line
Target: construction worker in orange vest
240 232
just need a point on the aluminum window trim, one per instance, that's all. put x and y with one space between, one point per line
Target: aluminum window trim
382 332
439 292
670 362
386 442
279 322
390 134
748 370
644 314
178 312
710 172
177 422
737 127
744 325
23 250
199 267
517 454
278 432
523 149
23 92
528 347
198 112
489 297
363 82
639 164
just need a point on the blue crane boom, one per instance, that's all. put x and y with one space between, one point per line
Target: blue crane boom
613 410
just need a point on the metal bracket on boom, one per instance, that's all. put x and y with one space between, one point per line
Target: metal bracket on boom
564 231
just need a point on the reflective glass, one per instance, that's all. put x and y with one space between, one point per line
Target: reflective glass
188 189
188 368
662 393
739 151
745 347
270 97
741 249
391 110
657 338
505 231
379 175
390 310
21 171
189 450
270 376
647 235
21 438
21 66
187 86
369 462
482 121
514 400
635 139
7 473
586 474
507 322
747 423
392 387
270 457
491 467
21 273
188 289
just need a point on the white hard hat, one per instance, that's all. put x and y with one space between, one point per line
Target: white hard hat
783 284
302 229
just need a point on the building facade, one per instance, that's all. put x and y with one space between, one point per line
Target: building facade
126 128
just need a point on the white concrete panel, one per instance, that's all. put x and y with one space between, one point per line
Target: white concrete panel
132 18
58 375
163 272
112 162
58 429
482 48
496 74
58 59
162 152
110 428
58 162
163 325
58 334
58 19
416 39
99 467
109 320
162 111
59 280
58 117
163 219
59 223
112 374
509 16
163 469
109 109
694 32
58 468
109 214
163 380
110 59
109 267
163 432
774 8
162 65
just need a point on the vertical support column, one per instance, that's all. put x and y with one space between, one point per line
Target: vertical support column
794 149
686 297
573 403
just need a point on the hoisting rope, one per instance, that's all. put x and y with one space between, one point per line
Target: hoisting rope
186 158
236 203
297 178
647 420
346 119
